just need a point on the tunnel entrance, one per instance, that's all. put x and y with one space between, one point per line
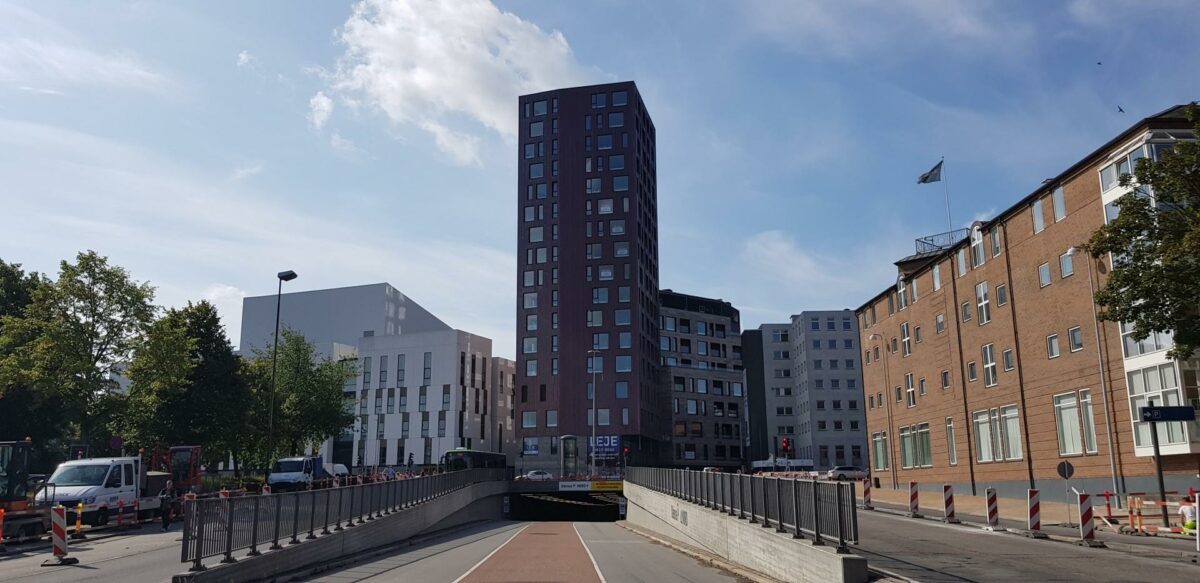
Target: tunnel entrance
572 506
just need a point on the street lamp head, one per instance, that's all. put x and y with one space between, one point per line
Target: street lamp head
288 275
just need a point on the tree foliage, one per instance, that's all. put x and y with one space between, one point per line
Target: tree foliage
1155 242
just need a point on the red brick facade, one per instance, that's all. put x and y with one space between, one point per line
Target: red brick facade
1030 312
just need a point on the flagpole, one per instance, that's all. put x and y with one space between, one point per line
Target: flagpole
946 184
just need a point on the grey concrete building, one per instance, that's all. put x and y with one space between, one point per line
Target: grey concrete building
701 347
780 402
829 409
504 375
422 387
338 315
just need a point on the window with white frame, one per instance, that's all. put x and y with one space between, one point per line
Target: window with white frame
962 262
1008 360
1075 339
879 450
1044 274
1001 295
1066 265
1039 217
915 450
1076 427
1060 204
971 372
903 297
977 254
997 434
1155 386
939 323
1052 346
951 452
910 390
945 379
937 276
905 340
982 304
996 245
989 365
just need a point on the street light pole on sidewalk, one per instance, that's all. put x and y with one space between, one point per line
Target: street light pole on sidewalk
283 276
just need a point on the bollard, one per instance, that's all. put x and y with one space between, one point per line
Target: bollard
120 513
1087 524
137 514
1107 505
948 504
78 534
993 511
266 490
914 508
1034 509
58 538
866 505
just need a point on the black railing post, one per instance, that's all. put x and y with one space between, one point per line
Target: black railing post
779 505
254 530
312 514
228 505
295 519
796 508
766 504
841 531
742 497
753 518
325 523
816 507
337 520
278 510
350 507
199 513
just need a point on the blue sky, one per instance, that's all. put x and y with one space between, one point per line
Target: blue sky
206 146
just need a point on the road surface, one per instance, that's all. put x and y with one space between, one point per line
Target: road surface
147 554
498 552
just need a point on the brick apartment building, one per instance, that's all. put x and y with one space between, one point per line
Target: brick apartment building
984 366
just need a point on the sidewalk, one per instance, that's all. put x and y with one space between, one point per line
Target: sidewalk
1173 548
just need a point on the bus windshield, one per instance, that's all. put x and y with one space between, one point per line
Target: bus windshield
79 475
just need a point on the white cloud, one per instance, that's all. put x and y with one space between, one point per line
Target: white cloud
146 212
37 52
245 59
1109 13
246 171
444 66
342 144
852 29
986 215
320 107
40 90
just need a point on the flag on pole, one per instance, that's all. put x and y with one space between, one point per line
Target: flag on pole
934 175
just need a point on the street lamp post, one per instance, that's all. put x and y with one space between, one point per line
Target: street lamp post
888 407
1112 461
283 276
595 420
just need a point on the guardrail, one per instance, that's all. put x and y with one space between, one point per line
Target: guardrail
221 526
822 511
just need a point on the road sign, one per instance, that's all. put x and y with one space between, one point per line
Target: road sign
1155 414
1066 470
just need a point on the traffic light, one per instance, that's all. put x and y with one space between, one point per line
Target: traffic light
787 445
627 451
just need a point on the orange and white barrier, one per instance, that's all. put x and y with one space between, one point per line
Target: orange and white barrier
914 508
58 538
266 489
948 504
120 513
224 493
993 511
867 495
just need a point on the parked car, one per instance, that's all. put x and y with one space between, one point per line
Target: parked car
537 475
847 473
712 469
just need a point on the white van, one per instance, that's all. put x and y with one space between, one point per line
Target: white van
104 485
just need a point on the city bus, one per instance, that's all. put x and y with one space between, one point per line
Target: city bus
463 459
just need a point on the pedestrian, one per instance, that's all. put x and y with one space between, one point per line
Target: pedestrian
166 498
410 463
1187 509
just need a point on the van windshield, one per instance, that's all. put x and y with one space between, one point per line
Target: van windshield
79 475
287 466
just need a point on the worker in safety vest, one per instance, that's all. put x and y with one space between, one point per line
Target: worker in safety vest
1187 509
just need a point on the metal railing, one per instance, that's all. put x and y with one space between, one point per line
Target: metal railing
825 512
220 526
941 240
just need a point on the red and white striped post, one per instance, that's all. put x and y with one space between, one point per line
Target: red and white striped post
914 509
1087 524
58 538
266 490
224 493
120 513
866 495
1035 514
948 504
137 514
993 511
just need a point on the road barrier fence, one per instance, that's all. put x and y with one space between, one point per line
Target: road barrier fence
220 526
825 512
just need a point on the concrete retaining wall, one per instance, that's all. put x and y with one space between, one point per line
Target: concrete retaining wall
750 545
475 502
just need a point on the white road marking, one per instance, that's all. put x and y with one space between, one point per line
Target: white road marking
494 551
589 552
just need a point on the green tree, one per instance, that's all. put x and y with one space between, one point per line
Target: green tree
1155 241
65 341
309 405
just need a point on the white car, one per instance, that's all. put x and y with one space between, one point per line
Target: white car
538 475
847 473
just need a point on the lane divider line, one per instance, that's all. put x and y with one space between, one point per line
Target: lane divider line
575 526
489 555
